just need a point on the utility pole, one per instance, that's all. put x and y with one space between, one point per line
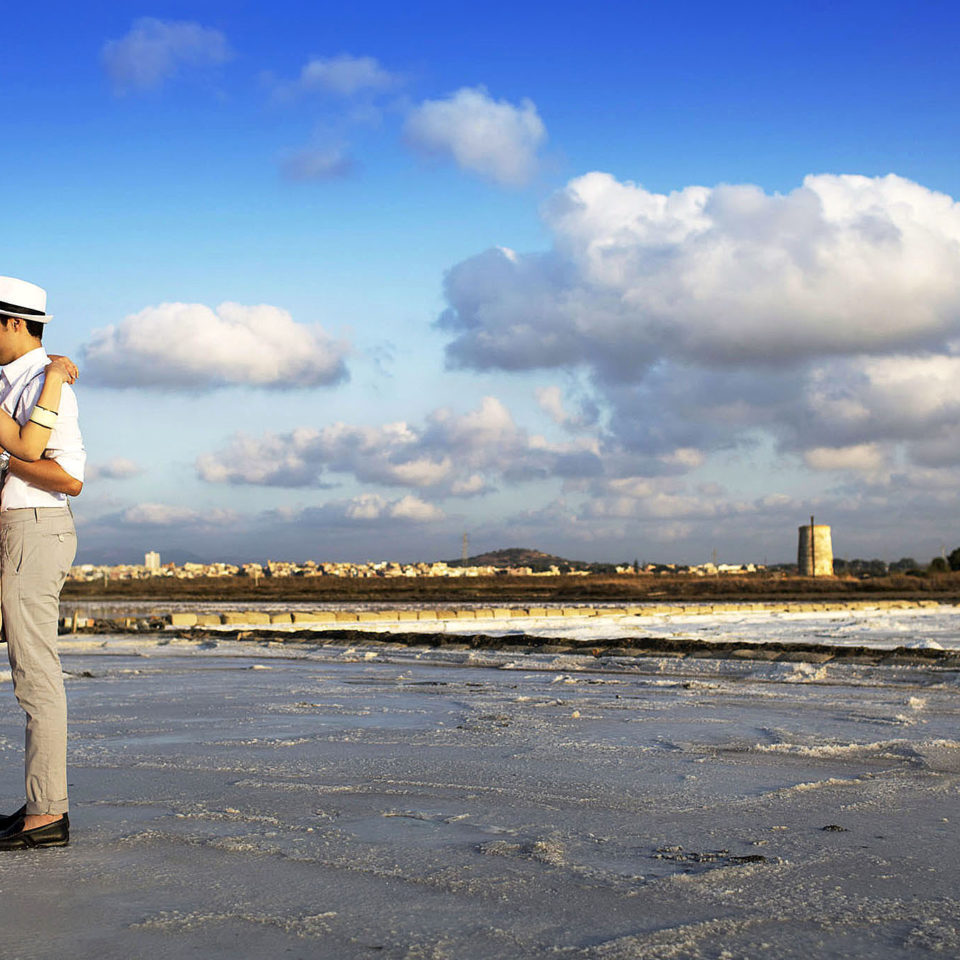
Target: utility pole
813 549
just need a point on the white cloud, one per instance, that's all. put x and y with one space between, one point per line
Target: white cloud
450 454
366 506
550 400
893 397
722 276
901 401
824 322
318 163
189 346
119 468
658 506
414 509
686 458
370 508
489 137
471 486
862 456
155 51
663 497
168 515
270 460
344 75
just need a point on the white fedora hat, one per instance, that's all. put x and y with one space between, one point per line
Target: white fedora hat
24 300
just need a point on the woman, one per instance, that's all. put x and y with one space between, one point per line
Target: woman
28 442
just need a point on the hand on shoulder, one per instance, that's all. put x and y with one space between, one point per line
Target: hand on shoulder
63 368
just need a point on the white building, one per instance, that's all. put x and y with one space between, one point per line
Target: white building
151 560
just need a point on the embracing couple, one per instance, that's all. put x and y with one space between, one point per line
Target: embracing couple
41 464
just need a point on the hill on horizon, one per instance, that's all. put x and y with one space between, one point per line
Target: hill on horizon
515 557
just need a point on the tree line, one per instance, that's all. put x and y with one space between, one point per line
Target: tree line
907 565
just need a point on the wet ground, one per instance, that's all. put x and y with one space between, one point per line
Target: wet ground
229 801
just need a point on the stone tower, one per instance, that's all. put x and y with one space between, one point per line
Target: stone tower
815 551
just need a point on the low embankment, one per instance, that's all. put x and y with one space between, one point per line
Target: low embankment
503 628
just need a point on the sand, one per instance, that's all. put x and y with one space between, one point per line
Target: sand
247 800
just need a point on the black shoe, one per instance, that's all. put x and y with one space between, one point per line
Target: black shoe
56 834
11 818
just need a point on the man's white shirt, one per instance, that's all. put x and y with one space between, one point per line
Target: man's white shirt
20 386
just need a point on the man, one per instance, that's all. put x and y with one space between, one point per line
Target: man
37 546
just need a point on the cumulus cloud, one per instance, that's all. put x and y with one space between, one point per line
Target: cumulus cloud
684 458
824 322
366 510
406 508
725 276
460 455
119 468
550 400
154 51
664 497
899 397
166 515
878 405
344 75
189 346
657 506
450 454
493 138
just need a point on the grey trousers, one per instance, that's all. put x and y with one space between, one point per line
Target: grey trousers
37 547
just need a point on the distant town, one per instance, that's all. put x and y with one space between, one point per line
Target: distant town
507 563
512 563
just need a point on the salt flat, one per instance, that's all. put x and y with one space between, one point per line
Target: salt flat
234 800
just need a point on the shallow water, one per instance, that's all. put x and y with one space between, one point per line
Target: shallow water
229 800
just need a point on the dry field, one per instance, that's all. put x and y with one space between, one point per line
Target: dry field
560 589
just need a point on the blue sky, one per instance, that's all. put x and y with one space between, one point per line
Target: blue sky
685 304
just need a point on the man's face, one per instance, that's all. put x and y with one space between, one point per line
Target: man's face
8 339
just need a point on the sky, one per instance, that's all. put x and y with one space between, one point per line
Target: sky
628 281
